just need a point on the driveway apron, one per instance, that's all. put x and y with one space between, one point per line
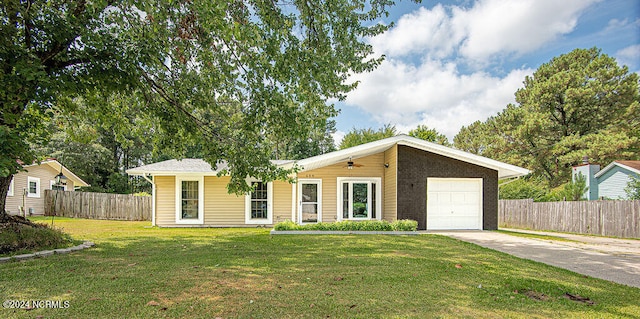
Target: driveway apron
616 260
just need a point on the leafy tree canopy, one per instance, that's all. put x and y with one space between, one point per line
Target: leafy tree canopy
578 104
226 72
362 136
633 188
429 134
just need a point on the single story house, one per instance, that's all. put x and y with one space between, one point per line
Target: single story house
26 191
399 177
611 181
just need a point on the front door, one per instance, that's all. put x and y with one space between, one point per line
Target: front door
310 196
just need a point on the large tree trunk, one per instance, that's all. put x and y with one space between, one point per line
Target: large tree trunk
4 189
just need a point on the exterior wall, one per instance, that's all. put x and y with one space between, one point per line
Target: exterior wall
612 183
390 205
46 174
373 166
281 201
415 166
165 200
588 171
221 209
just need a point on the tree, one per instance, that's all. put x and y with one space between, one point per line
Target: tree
522 189
578 104
319 140
633 188
361 136
280 62
576 189
100 149
431 135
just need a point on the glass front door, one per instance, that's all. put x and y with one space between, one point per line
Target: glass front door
310 201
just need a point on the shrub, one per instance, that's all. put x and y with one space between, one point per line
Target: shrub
18 234
523 189
349 225
405 225
285 225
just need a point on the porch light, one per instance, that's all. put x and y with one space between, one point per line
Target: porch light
61 179
350 164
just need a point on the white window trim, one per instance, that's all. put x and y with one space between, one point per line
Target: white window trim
310 181
179 180
247 206
11 186
53 183
37 181
374 180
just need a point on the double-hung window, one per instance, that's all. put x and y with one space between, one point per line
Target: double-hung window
259 204
189 200
33 187
359 198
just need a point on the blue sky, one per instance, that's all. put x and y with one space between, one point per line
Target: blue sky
451 63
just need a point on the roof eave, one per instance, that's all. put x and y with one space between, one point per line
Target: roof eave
611 165
77 181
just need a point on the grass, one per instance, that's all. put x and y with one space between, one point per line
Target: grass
136 271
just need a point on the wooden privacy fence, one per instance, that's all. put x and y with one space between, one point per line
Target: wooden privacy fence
97 205
617 218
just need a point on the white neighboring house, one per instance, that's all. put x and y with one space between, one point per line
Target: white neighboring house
26 191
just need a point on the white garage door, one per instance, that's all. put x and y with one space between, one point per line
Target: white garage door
454 203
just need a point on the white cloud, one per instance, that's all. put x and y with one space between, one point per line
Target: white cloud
434 93
338 136
488 28
418 31
426 78
498 27
629 56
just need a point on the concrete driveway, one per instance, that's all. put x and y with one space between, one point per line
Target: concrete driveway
616 260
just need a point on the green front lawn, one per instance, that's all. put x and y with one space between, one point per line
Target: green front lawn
135 271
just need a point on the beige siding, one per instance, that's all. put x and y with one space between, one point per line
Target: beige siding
165 200
220 207
372 166
281 201
390 205
46 174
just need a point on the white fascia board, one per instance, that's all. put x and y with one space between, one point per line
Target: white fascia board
611 165
504 170
344 155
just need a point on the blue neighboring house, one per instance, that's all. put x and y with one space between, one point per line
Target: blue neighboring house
610 182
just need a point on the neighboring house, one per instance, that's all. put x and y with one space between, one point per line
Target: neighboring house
26 190
610 182
399 177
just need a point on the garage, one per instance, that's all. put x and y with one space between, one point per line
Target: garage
454 203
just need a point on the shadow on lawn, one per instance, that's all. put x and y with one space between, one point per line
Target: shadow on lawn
252 274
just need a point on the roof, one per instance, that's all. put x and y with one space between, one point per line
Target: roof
632 166
186 166
53 163
505 170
